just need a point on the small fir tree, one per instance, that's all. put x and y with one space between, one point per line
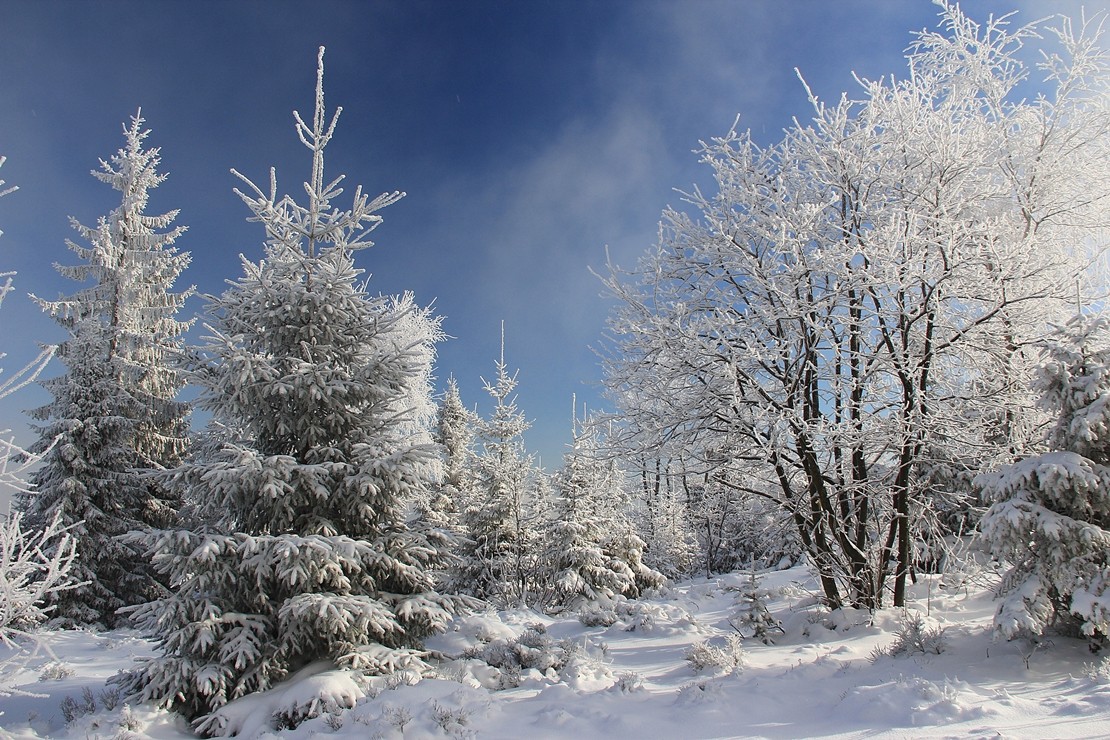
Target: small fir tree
310 557
417 331
627 548
1051 514
114 412
593 553
753 618
454 434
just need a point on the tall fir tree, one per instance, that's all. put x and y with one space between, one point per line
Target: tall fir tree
1051 513
416 332
114 414
500 522
309 557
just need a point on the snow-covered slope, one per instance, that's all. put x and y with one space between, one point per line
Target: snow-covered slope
828 675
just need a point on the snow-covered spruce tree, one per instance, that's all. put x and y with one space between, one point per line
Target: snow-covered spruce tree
114 412
501 521
455 435
593 554
309 557
581 572
417 330
1051 516
430 507
457 431
753 618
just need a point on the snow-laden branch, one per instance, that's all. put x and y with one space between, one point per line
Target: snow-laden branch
33 566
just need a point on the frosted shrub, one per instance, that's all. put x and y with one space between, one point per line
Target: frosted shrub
1098 671
32 567
637 616
452 720
597 615
73 709
710 655
535 650
128 722
398 716
109 699
55 671
291 716
914 637
630 682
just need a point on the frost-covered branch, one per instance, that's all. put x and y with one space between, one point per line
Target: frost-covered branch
317 223
15 461
33 566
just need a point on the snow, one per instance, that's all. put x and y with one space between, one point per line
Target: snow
829 675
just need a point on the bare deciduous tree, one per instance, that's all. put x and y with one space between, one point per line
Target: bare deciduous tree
854 304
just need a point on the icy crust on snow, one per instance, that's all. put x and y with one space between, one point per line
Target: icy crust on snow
518 673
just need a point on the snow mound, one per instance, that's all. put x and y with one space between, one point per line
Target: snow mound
314 690
913 701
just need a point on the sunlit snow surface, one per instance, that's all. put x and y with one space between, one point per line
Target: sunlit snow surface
632 680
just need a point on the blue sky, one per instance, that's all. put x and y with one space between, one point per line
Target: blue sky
529 136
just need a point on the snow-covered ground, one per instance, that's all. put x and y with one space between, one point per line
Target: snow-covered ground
825 677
